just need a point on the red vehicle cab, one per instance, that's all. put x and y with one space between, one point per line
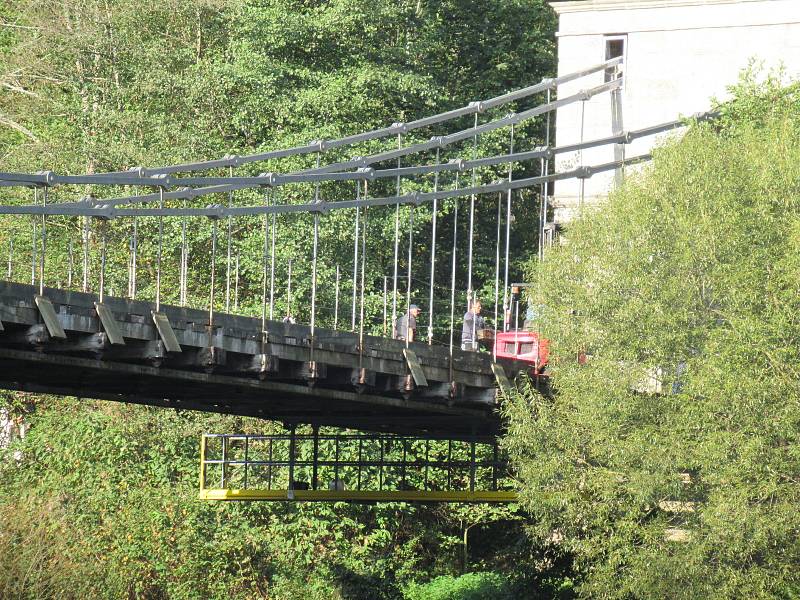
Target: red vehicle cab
525 346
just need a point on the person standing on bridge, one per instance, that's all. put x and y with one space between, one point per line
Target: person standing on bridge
405 327
473 324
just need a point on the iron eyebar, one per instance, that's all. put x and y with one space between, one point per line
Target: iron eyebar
524 115
217 211
269 179
319 207
322 145
458 163
17 184
233 160
109 213
48 179
367 172
190 193
361 161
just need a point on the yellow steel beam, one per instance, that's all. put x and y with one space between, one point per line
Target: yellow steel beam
358 495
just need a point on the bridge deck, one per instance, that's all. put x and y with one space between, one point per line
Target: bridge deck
232 368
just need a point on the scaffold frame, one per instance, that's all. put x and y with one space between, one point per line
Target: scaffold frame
363 468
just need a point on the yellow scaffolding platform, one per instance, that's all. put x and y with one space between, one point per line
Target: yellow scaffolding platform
351 468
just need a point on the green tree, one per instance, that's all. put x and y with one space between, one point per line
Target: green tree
687 279
103 502
100 500
109 85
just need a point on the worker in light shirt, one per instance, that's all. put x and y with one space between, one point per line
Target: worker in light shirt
405 327
473 323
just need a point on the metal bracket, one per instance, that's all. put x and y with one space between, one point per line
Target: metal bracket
166 332
502 378
109 324
51 321
416 368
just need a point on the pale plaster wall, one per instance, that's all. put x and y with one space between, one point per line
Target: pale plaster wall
679 54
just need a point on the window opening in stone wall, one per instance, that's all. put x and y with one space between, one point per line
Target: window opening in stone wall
614 48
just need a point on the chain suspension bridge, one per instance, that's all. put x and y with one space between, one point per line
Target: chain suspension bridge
60 336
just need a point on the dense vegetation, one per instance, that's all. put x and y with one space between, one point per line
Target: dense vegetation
101 86
102 502
689 277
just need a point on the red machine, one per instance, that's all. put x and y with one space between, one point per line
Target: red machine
525 346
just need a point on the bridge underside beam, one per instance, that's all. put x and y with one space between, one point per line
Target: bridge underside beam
37 372
232 368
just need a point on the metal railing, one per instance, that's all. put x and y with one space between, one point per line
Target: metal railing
352 467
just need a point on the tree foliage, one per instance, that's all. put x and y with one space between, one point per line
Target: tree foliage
687 279
103 501
104 86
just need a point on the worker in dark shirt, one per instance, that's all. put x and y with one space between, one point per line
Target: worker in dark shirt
473 322
405 327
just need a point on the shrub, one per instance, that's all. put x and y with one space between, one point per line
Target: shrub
691 273
470 586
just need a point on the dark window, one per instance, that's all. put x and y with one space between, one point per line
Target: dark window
510 348
526 348
615 47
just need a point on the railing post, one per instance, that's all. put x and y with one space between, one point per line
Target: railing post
494 467
427 460
472 466
336 461
449 464
314 466
202 464
246 457
269 466
292 442
381 466
224 460
358 472
403 466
